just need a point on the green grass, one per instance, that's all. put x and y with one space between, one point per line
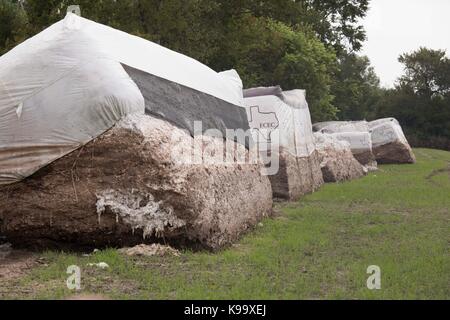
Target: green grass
319 248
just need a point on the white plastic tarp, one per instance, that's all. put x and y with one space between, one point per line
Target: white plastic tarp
385 131
376 123
279 125
342 126
356 133
359 141
66 86
233 80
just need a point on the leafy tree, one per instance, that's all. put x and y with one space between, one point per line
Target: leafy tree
335 22
119 14
356 88
421 100
427 72
292 43
338 22
266 52
12 24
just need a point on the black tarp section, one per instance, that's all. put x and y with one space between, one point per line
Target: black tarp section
263 91
182 105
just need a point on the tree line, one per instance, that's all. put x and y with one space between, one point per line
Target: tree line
309 44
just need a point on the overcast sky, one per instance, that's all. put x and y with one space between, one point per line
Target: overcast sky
397 26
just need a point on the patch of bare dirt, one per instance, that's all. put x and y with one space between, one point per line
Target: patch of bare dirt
16 263
437 172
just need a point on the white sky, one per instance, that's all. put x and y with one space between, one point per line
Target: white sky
397 26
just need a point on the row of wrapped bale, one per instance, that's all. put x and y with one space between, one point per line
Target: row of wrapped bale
102 146
282 130
357 135
99 144
382 140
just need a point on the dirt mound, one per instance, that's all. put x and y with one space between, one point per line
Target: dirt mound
337 160
133 183
296 176
15 263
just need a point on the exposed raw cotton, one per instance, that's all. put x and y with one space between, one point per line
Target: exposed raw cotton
296 176
100 265
138 182
337 160
152 219
281 126
389 142
152 250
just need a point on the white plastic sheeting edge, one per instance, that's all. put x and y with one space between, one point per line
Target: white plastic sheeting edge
385 132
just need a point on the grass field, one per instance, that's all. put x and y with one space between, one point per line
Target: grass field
319 248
